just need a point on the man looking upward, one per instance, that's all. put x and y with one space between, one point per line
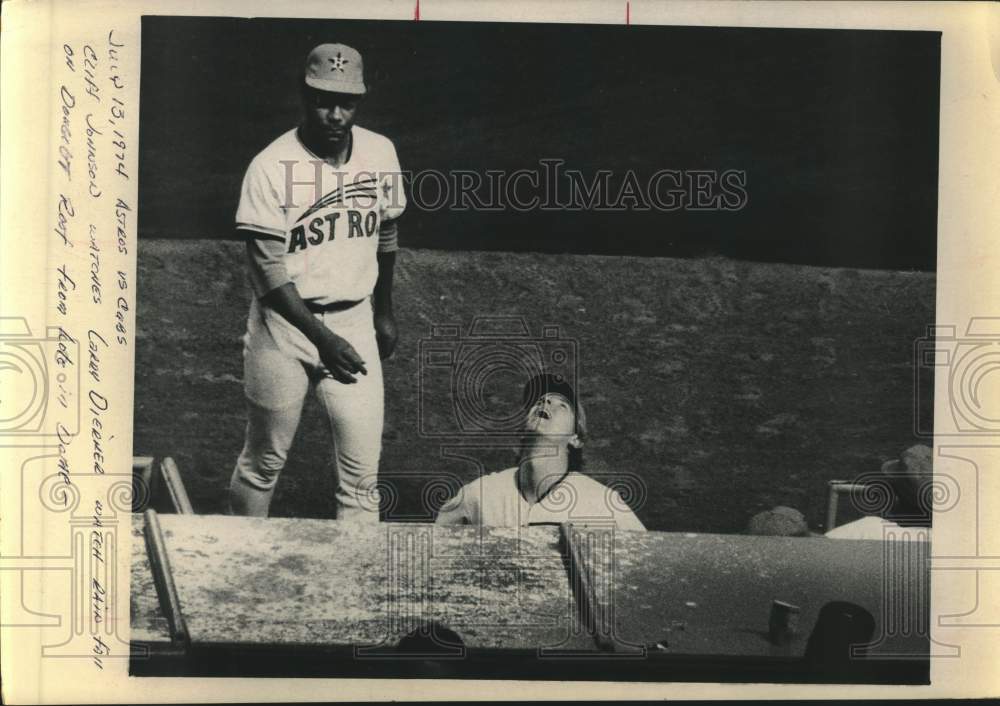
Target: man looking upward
546 486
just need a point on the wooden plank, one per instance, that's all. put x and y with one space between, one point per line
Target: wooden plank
147 621
712 594
505 588
159 562
315 582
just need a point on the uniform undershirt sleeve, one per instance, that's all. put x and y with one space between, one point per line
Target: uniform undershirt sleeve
388 237
266 260
392 201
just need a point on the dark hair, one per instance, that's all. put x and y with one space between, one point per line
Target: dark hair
430 638
909 507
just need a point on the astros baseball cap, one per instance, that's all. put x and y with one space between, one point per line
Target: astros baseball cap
337 68
548 383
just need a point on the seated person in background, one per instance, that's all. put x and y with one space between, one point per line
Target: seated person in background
546 486
909 478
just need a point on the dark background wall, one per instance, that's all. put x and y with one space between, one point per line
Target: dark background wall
836 130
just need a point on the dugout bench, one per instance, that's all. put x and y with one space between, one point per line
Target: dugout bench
215 595
233 596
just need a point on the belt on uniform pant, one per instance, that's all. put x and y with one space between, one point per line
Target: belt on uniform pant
334 306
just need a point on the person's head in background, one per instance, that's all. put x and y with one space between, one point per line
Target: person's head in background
911 480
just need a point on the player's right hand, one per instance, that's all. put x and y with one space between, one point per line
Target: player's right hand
341 360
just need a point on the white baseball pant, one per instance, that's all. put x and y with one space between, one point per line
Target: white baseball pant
280 365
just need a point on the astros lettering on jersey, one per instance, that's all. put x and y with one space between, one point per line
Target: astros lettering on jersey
331 219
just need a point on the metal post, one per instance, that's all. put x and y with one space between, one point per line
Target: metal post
175 486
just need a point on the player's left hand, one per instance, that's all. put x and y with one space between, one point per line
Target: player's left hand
386 334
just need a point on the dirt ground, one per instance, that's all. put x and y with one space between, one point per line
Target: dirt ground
714 388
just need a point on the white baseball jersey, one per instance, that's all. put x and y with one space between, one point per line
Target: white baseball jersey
328 218
494 500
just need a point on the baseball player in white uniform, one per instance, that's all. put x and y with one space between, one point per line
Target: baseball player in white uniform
546 486
318 210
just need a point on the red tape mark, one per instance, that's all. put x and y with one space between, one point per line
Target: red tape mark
628 12
416 12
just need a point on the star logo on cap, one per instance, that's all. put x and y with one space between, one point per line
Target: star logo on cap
339 62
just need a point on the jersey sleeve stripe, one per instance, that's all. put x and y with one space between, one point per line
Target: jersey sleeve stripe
388 237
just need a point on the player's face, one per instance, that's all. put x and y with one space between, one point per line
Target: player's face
552 414
329 116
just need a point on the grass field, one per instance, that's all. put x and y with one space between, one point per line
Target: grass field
837 130
726 386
